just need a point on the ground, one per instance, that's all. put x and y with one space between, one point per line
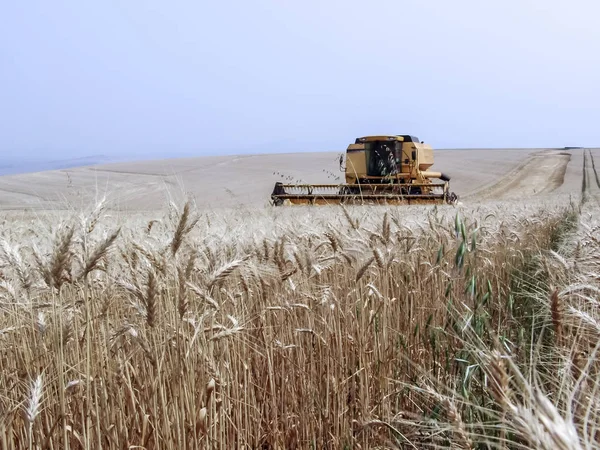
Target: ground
228 181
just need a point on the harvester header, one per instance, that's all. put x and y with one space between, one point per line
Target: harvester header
387 169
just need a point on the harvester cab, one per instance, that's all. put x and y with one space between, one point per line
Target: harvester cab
390 169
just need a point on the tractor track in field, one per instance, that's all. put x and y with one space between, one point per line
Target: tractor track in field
594 168
540 174
591 181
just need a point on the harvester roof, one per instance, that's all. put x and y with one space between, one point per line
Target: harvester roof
399 137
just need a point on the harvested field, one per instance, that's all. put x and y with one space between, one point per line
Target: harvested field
228 181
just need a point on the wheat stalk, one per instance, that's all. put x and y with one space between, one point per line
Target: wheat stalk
59 266
225 271
98 254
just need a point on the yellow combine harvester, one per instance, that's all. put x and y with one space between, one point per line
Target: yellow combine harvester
379 170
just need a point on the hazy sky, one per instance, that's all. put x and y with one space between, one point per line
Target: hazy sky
195 77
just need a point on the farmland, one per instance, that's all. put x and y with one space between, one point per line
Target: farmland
164 305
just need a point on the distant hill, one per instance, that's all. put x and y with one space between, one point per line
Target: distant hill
14 166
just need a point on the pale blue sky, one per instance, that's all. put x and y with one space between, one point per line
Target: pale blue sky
136 77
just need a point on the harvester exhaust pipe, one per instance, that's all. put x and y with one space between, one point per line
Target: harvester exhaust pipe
440 175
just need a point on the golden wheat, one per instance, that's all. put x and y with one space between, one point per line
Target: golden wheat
330 327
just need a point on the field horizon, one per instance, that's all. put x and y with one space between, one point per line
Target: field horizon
18 165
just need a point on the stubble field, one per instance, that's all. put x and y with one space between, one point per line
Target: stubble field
167 317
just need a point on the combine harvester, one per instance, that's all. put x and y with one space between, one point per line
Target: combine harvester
390 170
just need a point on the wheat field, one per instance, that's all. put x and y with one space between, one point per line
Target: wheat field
469 326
